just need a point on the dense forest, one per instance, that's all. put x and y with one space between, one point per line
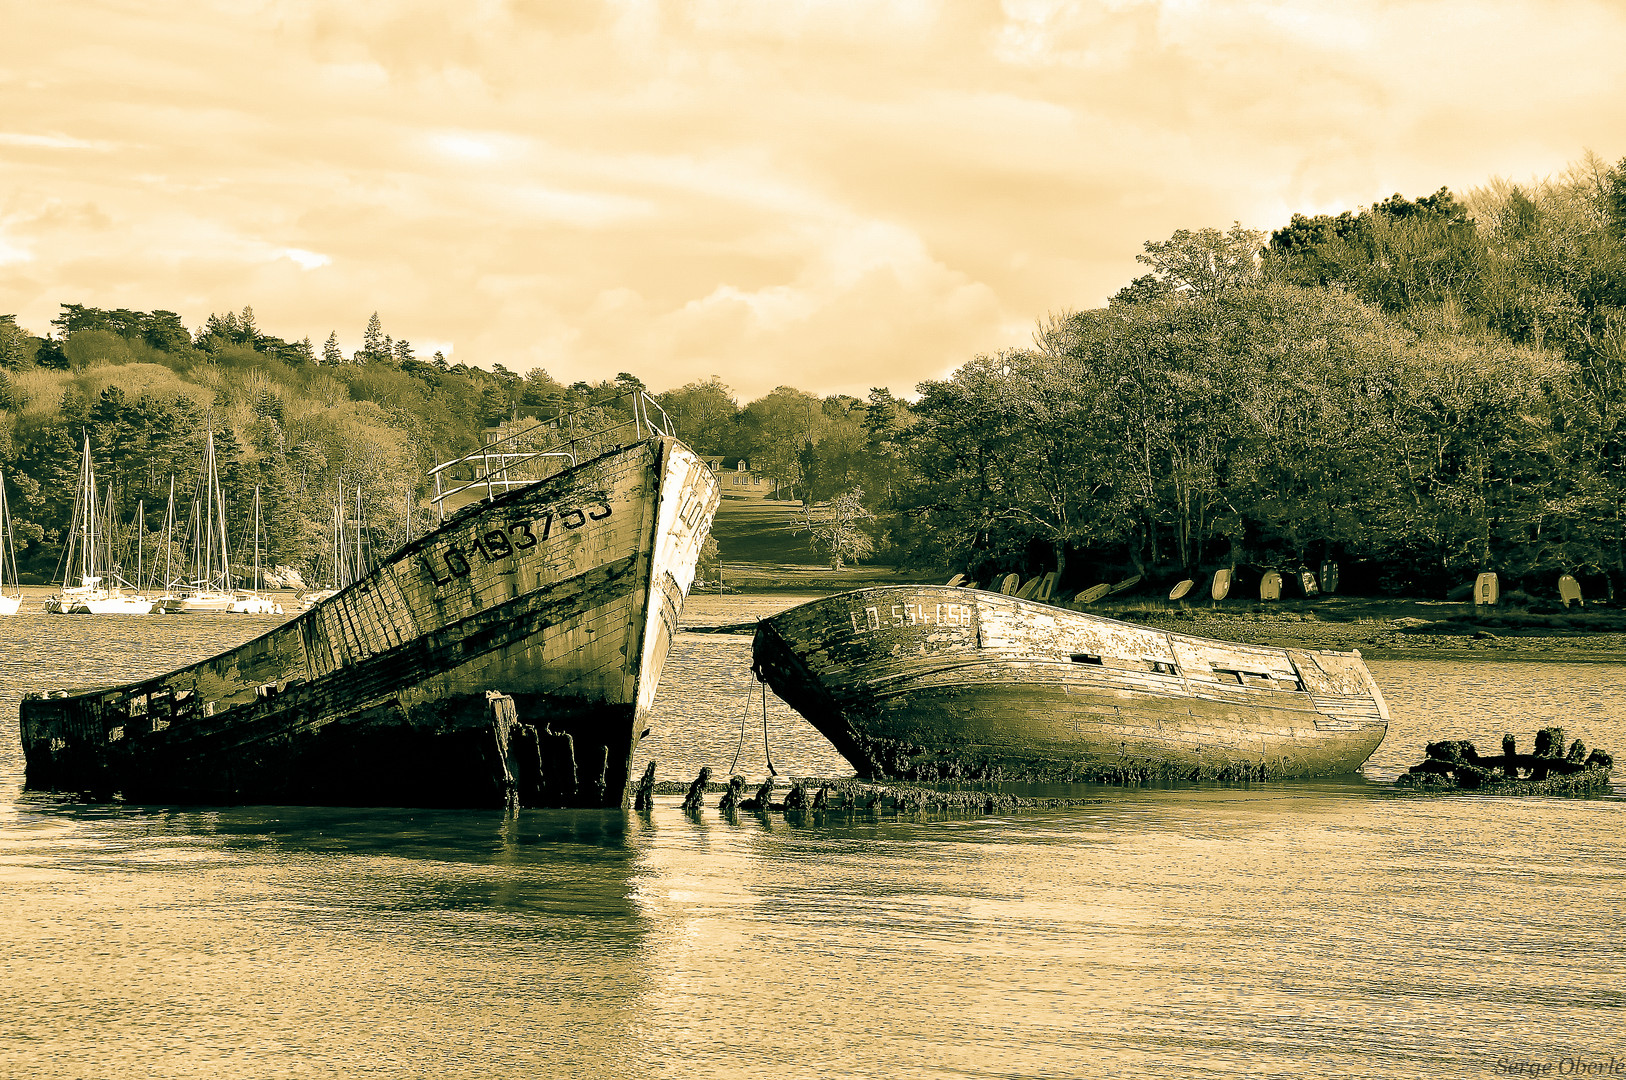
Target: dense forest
1422 389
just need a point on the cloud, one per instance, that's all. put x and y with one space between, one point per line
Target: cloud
830 194
308 260
51 142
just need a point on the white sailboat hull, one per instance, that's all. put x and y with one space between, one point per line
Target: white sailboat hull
10 604
217 604
98 605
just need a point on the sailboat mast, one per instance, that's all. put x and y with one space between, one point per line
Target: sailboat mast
108 528
141 536
169 527
87 492
206 525
6 546
225 550
361 567
256 538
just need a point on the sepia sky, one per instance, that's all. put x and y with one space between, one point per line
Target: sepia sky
830 194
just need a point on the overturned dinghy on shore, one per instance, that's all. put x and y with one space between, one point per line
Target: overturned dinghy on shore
939 683
510 657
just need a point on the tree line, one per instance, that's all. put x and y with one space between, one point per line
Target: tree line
1420 389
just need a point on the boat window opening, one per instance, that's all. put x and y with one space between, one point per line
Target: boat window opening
1085 658
1163 667
1255 678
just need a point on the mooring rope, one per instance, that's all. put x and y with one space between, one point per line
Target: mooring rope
765 751
744 717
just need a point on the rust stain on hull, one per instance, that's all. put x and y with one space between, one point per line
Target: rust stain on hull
507 658
932 682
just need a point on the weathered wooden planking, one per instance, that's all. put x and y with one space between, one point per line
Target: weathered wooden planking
564 594
925 682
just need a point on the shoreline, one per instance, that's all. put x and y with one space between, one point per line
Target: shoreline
1381 629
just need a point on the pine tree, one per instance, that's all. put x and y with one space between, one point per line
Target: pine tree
16 350
403 351
305 351
331 353
439 360
372 342
248 333
224 327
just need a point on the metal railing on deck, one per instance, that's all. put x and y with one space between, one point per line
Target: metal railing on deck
546 447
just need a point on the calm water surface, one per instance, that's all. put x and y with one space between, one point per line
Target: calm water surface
1307 929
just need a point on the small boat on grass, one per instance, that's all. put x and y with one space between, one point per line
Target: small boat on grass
933 683
508 658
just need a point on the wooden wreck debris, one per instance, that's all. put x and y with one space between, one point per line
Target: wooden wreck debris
927 683
733 796
692 801
644 797
1456 766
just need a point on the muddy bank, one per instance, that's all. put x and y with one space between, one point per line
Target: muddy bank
1379 637
1380 629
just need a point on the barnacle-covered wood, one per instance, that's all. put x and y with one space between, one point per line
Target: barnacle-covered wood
1455 765
928 682
563 596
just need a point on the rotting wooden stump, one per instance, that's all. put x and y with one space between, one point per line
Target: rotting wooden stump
691 801
852 797
810 799
1454 766
733 796
644 797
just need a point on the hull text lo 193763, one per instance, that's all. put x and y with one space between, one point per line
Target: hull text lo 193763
935 683
510 657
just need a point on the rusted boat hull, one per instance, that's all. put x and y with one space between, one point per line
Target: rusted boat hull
934 683
508 658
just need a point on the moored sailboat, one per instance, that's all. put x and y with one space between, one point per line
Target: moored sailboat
9 603
92 583
509 657
211 589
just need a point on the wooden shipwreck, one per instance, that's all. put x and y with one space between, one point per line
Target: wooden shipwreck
510 657
939 683
1452 766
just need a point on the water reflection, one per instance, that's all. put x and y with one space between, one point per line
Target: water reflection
1314 928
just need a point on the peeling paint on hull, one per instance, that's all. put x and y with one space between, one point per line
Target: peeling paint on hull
510 657
939 683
